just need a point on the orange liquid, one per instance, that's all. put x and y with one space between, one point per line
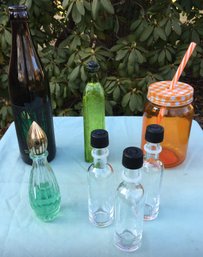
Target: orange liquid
177 123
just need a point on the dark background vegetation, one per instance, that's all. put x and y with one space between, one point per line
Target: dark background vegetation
135 43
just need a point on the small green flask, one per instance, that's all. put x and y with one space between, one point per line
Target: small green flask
93 108
44 194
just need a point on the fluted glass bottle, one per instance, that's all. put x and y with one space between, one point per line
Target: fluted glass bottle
129 208
101 181
44 193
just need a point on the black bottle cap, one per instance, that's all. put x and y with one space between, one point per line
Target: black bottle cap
154 133
132 158
99 138
92 66
18 12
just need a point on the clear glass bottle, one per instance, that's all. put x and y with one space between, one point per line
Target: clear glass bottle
101 180
152 170
44 193
129 208
28 85
93 108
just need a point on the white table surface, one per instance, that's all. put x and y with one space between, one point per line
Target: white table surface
177 232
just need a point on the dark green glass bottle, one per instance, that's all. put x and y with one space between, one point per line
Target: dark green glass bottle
93 108
28 85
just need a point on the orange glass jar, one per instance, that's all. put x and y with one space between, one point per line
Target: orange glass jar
173 110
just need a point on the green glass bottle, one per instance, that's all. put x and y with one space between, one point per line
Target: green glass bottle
93 108
44 193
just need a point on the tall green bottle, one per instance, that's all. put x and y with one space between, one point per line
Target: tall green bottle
93 107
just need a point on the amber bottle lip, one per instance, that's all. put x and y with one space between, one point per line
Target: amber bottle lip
18 12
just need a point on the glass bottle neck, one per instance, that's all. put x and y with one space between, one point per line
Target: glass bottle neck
40 159
100 157
152 150
20 27
132 176
93 77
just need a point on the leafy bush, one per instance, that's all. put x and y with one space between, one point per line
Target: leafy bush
135 43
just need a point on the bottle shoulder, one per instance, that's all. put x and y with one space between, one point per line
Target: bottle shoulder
130 191
152 165
94 88
26 74
105 171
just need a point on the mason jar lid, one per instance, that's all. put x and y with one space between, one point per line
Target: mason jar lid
160 94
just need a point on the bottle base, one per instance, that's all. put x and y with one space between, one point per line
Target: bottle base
127 241
49 217
150 212
101 218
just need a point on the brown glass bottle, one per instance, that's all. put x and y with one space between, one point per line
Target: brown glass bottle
28 85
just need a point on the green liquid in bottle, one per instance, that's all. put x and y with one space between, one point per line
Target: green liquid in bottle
93 113
45 200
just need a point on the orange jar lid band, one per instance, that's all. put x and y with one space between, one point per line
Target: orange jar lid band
160 94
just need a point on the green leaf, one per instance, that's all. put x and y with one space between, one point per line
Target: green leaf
3 42
71 59
121 54
140 104
76 15
56 70
116 25
135 24
115 48
95 8
147 32
176 27
80 7
163 22
108 6
161 57
133 102
52 87
195 37
3 112
74 74
140 58
154 58
83 74
160 32
168 28
65 3
87 5
111 87
28 4
57 90
116 93
168 55
131 69
126 99
108 108
69 9
132 57
8 36
75 43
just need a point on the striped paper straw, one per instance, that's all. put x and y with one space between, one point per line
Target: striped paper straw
182 65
